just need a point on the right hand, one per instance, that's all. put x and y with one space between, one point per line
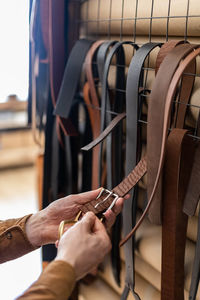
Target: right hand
84 245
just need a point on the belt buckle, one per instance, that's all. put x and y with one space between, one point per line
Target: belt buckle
103 190
64 222
110 193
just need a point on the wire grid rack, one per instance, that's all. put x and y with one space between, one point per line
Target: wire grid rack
93 24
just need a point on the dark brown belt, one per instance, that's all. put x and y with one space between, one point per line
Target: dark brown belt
178 163
92 102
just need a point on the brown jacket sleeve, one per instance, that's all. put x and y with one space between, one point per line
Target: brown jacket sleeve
55 283
13 240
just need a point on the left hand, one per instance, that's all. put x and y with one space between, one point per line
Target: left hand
42 227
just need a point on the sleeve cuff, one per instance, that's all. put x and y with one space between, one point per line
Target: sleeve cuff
13 239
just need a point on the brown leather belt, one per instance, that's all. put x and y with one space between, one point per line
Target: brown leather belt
92 102
157 128
178 162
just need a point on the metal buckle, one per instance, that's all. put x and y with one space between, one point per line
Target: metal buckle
64 222
105 199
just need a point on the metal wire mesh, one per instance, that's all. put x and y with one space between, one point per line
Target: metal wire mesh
91 22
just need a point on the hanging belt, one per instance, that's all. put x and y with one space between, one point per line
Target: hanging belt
70 84
114 153
186 83
178 162
196 265
156 125
92 102
106 104
133 146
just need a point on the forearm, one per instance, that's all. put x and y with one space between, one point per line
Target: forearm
55 283
13 239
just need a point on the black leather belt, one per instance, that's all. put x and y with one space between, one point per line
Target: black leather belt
133 144
70 82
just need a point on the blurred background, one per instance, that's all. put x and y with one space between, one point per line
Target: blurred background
18 152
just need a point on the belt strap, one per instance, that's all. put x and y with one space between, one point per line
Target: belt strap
156 126
133 146
186 84
177 167
120 190
164 50
101 58
70 83
105 133
196 267
193 192
115 101
92 101
105 101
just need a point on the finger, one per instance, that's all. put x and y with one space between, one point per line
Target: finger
127 196
117 208
88 221
98 226
94 271
110 218
56 243
111 214
88 196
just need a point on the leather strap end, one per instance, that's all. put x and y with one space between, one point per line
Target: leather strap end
105 133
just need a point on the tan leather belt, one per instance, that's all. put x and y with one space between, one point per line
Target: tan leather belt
158 124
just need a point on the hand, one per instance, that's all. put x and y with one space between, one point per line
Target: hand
84 245
42 227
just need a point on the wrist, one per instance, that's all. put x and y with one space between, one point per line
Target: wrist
33 229
66 255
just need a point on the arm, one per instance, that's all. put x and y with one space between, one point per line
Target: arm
80 249
13 239
23 235
20 236
56 282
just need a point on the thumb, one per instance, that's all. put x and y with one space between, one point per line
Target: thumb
88 196
88 221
